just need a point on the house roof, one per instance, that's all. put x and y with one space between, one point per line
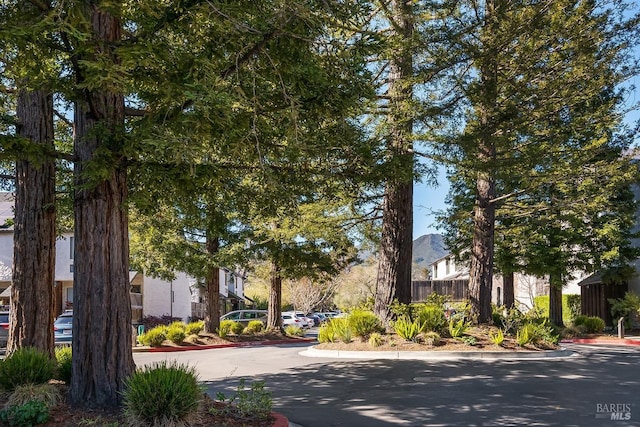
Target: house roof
592 279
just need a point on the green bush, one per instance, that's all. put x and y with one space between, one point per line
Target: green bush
509 320
579 320
523 336
176 333
497 338
432 338
154 337
225 328
593 325
364 323
406 328
47 393
30 414
294 331
63 357
533 333
569 308
432 318
194 328
237 328
457 328
342 329
375 339
26 365
326 333
627 307
253 327
253 405
164 393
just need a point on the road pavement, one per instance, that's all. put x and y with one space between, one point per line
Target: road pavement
319 392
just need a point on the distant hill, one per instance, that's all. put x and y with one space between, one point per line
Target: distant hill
428 248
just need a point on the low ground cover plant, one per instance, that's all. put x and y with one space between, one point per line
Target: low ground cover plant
26 366
364 323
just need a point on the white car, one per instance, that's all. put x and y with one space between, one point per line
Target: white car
304 321
291 319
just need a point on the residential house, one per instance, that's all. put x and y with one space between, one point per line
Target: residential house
179 298
451 277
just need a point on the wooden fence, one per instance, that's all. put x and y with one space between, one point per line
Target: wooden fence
457 289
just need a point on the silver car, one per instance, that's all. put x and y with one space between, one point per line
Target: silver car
4 328
245 316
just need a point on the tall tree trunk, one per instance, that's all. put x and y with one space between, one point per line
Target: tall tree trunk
396 243
508 291
274 315
212 318
34 237
482 246
102 356
555 300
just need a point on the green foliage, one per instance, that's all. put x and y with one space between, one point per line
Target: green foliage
457 328
30 414
253 327
431 317
194 328
225 328
364 323
469 340
375 339
237 328
326 333
253 405
400 309
497 338
24 366
294 331
154 337
164 393
627 307
523 336
438 300
432 338
342 329
407 328
63 357
570 306
592 324
47 393
536 333
176 333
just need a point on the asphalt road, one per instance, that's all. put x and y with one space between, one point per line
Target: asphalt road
312 392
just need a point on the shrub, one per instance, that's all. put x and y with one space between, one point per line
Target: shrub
432 338
375 339
26 365
63 357
237 328
523 336
364 323
406 328
151 322
593 325
457 328
254 405
164 393
432 318
497 338
579 320
31 413
47 393
342 329
154 337
574 331
176 333
194 328
438 300
295 331
508 320
253 327
627 307
469 340
326 333
225 328
569 308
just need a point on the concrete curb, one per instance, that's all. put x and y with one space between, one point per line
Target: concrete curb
212 346
614 341
439 355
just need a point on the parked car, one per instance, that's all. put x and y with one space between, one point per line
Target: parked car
315 318
290 319
245 316
305 322
4 328
63 328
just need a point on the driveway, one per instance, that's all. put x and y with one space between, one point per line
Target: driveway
577 391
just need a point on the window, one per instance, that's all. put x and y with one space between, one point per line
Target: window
69 295
72 250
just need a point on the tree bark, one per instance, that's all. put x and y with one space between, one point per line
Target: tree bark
396 243
102 356
34 236
555 300
482 246
274 314
212 318
508 291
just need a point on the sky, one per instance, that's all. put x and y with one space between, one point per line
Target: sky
426 200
